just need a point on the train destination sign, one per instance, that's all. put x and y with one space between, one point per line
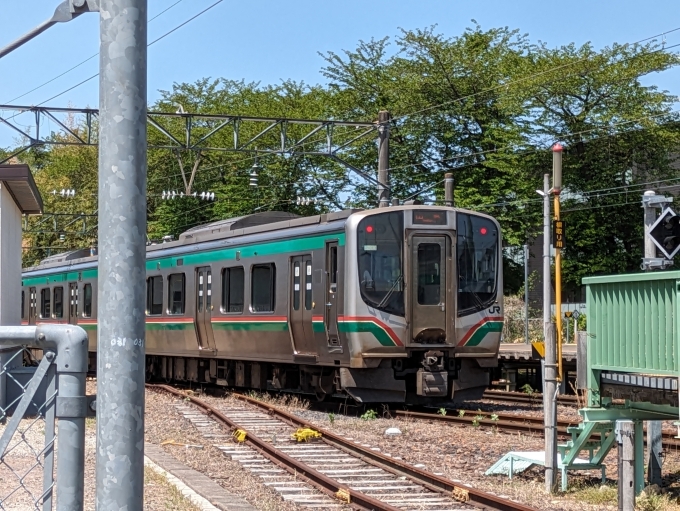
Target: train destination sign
559 237
429 217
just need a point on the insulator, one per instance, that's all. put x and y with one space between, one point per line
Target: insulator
202 195
253 178
163 195
212 195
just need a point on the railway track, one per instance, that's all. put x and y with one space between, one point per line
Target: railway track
510 422
331 472
520 397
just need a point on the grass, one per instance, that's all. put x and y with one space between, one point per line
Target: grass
168 499
598 494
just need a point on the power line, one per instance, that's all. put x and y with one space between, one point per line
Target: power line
151 43
525 78
83 62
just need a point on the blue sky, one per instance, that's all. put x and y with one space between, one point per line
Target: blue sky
269 41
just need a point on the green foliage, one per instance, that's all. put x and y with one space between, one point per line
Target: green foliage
527 389
369 415
476 419
461 413
331 418
485 105
442 411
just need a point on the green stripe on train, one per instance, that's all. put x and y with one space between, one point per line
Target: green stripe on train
252 326
367 327
487 328
254 250
169 326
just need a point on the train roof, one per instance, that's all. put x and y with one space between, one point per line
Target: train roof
211 235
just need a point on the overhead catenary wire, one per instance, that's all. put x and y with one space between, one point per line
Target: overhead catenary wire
82 62
535 75
148 45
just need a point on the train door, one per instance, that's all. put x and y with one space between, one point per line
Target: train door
204 308
32 305
431 278
300 308
73 303
331 308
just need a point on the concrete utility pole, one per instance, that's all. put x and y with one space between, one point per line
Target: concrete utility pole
547 277
626 436
383 159
549 362
550 410
526 294
122 255
654 439
448 189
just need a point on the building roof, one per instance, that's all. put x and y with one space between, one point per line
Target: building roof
20 184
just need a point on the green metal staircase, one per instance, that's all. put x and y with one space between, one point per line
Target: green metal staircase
595 437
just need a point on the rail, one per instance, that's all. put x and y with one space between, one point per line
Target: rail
328 485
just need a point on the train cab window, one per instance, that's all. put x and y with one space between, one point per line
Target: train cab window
176 293
45 295
58 300
262 288
477 258
154 296
233 289
380 242
87 301
22 305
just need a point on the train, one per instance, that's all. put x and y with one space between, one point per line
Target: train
392 305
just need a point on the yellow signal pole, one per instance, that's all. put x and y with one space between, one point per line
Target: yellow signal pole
557 186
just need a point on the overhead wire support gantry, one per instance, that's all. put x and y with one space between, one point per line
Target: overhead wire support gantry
197 131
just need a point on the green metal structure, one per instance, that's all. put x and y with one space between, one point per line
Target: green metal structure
632 338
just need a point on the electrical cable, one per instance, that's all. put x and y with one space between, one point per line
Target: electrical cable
525 78
149 44
81 63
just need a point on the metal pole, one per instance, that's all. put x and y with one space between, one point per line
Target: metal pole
122 255
557 187
654 439
547 278
526 294
71 446
448 190
550 410
383 158
627 464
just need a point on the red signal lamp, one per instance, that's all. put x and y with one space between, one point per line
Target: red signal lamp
483 231
369 229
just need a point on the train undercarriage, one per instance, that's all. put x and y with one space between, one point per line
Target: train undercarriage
425 378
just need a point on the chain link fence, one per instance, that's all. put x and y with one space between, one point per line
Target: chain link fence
28 430
42 380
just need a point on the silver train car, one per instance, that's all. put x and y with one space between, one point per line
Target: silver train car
402 304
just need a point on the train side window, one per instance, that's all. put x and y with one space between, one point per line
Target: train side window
262 287
233 289
45 302
308 285
334 269
58 299
87 301
22 305
176 293
296 286
154 296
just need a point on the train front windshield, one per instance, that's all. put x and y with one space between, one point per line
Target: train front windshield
380 261
477 261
